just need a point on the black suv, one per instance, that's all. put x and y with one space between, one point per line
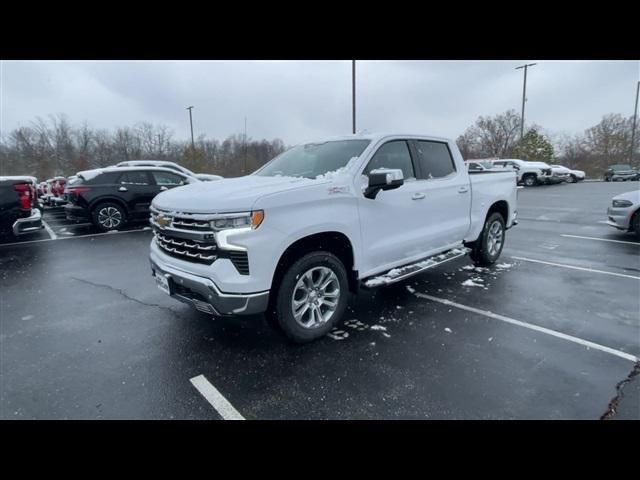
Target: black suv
110 197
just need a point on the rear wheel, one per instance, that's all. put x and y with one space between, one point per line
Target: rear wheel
487 249
109 216
312 297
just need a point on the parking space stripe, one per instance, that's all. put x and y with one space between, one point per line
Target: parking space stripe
600 239
530 326
573 267
215 398
49 231
75 236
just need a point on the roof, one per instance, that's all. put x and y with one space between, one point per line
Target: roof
374 136
97 171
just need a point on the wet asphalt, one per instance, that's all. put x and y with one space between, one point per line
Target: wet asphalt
85 333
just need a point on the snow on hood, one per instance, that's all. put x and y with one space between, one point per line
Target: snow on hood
226 195
633 196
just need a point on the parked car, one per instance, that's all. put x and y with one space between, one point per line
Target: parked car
110 197
620 172
480 166
571 176
294 238
624 212
205 177
19 213
528 173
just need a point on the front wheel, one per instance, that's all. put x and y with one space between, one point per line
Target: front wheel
636 225
487 249
312 297
530 181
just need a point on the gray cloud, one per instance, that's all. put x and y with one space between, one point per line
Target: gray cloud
296 101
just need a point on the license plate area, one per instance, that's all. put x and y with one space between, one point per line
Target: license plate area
163 283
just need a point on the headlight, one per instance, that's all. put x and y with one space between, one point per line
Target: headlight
622 203
238 220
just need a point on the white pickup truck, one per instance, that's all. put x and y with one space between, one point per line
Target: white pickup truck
322 220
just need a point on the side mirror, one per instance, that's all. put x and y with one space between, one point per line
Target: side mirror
383 179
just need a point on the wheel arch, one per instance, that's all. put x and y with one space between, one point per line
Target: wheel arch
331 241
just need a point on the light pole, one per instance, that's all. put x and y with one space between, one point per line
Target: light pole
244 169
524 95
633 131
193 145
353 95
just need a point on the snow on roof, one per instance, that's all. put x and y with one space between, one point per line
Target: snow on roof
376 136
20 178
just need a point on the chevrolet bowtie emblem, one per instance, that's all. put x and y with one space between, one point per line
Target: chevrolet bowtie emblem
163 221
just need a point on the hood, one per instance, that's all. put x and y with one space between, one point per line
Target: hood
228 194
633 197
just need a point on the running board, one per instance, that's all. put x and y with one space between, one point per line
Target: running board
401 273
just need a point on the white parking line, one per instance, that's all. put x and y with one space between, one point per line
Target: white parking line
51 233
215 398
75 236
530 326
600 239
573 267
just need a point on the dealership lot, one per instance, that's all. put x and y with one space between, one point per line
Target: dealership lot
547 333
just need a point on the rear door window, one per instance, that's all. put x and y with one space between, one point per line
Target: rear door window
134 178
434 159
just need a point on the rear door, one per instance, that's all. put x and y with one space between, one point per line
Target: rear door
447 203
136 189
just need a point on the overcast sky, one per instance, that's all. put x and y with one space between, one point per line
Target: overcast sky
301 100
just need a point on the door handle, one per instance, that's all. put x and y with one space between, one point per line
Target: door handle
123 189
418 196
463 189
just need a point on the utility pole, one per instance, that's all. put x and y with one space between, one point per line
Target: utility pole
524 95
193 145
353 94
633 131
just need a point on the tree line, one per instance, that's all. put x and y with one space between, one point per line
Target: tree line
607 143
53 146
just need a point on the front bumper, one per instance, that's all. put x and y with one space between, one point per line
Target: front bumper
619 217
202 294
29 224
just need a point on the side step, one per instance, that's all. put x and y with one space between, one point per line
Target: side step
397 274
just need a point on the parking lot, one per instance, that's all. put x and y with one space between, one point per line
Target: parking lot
550 332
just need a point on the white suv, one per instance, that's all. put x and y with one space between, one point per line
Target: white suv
204 177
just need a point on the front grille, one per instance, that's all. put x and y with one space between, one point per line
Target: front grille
189 250
240 260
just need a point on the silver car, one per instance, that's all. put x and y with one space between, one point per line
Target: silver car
624 212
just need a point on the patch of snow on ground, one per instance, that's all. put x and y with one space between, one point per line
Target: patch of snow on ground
471 283
386 335
504 265
28 317
448 330
338 334
378 327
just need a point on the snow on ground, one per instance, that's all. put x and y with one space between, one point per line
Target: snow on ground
471 283
378 327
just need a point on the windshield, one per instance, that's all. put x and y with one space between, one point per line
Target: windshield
314 159
621 167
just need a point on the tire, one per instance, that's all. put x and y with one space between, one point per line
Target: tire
108 216
294 287
636 224
484 252
530 181
607 179
572 179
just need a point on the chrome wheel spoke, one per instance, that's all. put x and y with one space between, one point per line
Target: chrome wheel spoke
315 297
